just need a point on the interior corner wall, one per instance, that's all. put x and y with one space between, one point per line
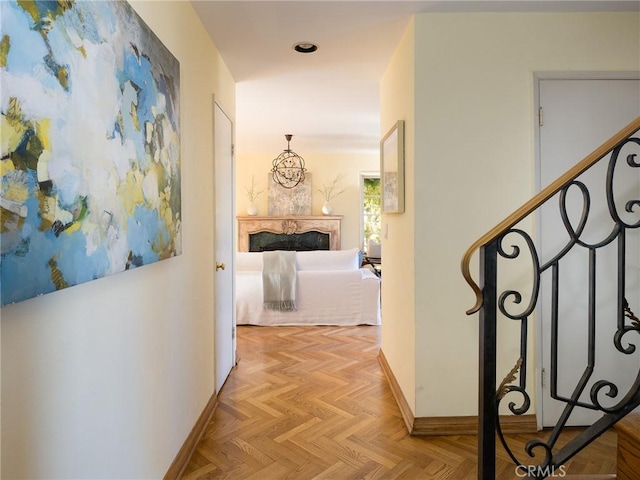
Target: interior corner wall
474 162
397 98
106 379
324 168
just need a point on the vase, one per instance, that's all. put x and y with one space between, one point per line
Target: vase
327 209
252 210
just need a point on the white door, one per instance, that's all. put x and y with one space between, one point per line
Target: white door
224 246
577 117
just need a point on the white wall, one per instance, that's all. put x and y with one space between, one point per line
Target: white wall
323 167
398 239
106 379
474 164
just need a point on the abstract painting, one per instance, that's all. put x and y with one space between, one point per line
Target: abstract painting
290 201
90 145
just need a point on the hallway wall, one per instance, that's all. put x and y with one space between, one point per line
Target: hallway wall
477 163
473 165
106 379
397 102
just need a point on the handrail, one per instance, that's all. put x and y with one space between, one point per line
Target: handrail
538 200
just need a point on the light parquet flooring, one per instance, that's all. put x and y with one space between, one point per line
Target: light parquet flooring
312 403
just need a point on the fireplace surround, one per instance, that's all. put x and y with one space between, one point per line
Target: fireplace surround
256 234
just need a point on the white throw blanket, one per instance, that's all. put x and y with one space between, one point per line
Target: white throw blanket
279 280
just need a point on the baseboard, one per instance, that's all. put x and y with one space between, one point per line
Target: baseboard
468 425
185 453
465 425
403 405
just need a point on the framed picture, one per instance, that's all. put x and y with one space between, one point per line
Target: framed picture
392 169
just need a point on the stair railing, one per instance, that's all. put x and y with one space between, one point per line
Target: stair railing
491 303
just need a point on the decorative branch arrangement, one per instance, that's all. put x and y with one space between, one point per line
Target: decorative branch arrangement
252 194
331 191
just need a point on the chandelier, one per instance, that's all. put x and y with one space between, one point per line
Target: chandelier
288 167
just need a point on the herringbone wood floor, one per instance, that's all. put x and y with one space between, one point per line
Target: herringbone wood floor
312 403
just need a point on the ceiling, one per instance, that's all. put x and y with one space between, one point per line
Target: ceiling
329 99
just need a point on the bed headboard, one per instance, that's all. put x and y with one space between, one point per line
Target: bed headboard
289 233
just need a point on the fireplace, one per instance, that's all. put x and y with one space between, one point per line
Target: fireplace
257 234
265 241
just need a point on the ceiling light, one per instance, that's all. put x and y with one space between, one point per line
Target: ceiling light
305 47
288 167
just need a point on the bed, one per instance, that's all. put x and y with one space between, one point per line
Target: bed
331 289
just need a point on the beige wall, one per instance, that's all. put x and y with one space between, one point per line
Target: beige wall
474 164
398 239
106 379
324 167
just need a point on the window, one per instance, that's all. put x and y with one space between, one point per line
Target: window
371 223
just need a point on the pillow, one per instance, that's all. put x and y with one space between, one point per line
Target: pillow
328 260
249 261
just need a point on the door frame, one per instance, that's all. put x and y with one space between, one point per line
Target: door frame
537 78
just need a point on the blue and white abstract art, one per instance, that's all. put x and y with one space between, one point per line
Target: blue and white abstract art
90 145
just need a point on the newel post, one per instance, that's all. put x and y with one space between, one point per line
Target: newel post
487 409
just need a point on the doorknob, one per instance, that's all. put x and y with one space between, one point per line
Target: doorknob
220 266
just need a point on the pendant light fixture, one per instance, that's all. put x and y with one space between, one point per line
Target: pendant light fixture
288 167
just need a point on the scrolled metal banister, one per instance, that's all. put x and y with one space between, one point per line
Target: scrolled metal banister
506 243
536 202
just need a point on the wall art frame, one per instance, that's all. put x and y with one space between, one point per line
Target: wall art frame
392 169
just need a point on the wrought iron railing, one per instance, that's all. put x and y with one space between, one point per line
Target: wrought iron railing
538 287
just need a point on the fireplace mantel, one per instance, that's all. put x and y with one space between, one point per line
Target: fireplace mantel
290 225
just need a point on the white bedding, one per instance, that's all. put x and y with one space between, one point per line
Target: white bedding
324 297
